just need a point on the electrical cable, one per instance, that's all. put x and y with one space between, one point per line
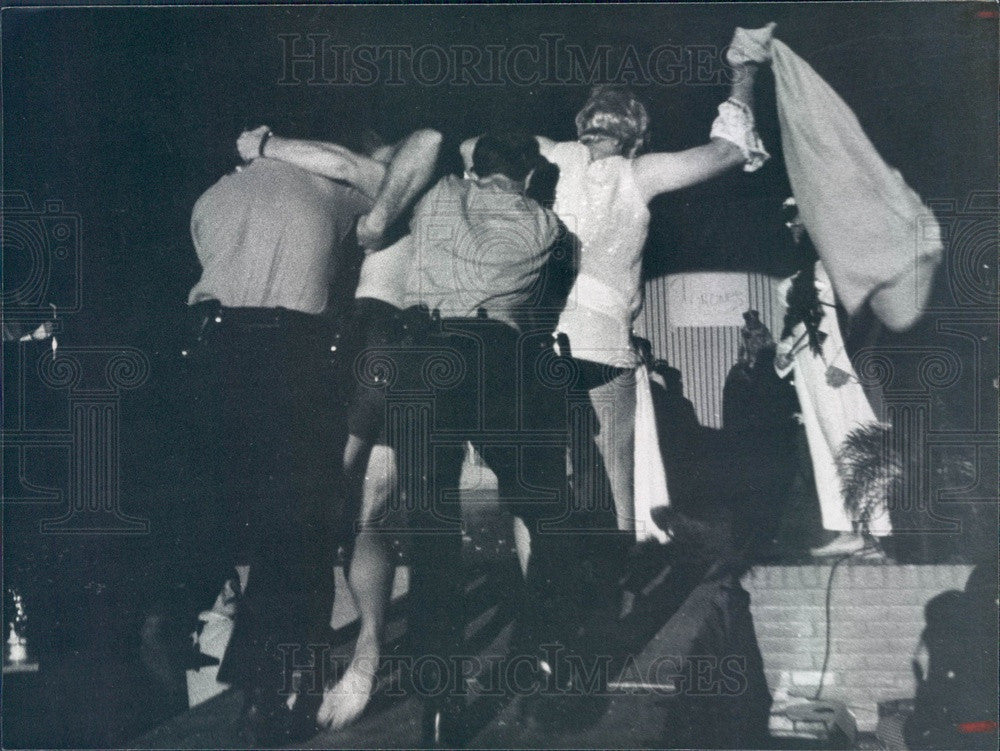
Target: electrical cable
829 620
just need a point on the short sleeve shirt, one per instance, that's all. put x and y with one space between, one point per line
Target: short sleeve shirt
273 236
478 245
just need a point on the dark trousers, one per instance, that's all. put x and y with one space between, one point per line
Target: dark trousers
375 327
280 416
477 380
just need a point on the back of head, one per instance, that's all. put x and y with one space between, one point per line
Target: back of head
756 341
511 154
615 112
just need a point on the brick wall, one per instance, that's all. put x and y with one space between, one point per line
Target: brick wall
877 616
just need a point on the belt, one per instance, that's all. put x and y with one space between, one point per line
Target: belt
419 319
257 317
211 315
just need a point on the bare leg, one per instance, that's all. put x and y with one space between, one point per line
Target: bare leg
370 580
373 563
522 544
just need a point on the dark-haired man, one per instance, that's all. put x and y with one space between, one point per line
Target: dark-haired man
479 248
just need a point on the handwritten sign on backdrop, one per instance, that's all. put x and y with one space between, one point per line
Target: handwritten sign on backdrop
707 298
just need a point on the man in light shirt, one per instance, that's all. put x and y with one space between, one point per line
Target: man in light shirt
276 244
479 249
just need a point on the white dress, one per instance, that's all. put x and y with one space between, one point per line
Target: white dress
829 412
601 204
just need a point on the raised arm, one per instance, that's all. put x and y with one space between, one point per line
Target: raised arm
393 179
668 171
411 166
734 139
320 157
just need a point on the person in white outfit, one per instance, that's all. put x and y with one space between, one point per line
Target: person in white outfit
832 402
602 196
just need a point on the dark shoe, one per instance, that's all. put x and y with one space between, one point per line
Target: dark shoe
269 723
562 701
442 725
303 723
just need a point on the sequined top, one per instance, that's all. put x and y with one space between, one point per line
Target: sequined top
602 205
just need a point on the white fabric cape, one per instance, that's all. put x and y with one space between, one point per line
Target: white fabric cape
876 238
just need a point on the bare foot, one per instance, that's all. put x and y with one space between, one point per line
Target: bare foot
345 702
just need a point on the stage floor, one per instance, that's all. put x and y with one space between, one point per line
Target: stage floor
644 713
875 619
667 617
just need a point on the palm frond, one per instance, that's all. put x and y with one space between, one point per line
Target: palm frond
870 470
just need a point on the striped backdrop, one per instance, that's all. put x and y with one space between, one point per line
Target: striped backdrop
704 353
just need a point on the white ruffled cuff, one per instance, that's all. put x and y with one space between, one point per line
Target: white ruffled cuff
735 123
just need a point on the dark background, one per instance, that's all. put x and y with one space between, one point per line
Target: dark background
127 114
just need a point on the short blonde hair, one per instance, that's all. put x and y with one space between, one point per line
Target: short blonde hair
614 112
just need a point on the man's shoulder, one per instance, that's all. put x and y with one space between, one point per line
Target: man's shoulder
279 172
487 195
452 184
546 145
282 185
448 185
